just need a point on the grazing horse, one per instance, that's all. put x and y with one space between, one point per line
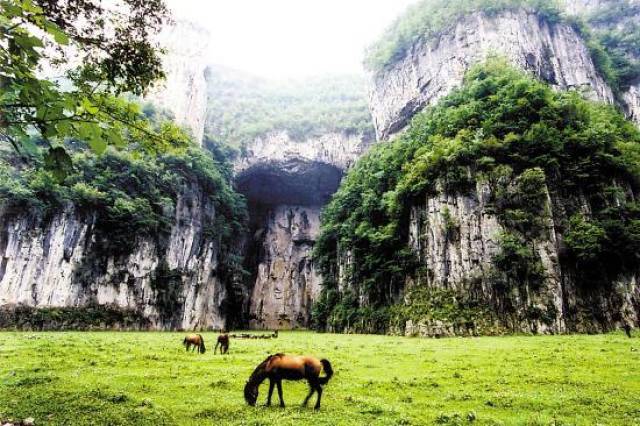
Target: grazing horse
280 366
223 341
195 340
627 329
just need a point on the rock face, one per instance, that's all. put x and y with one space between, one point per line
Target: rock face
286 183
184 91
462 260
629 98
554 52
286 283
589 7
54 263
278 170
336 149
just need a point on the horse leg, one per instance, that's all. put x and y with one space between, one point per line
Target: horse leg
311 391
319 390
279 383
216 348
271 385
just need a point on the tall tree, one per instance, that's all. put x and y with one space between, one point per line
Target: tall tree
111 44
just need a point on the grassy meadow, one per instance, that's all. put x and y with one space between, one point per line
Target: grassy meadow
110 378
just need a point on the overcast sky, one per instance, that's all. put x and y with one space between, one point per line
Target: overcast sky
290 38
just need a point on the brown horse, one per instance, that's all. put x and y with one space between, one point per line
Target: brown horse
280 366
223 341
195 340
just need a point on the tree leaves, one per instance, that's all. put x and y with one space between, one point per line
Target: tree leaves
58 162
86 108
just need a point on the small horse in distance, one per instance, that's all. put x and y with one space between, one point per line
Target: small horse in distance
274 335
280 367
223 341
195 340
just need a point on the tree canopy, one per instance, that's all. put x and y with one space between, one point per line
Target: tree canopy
242 108
105 51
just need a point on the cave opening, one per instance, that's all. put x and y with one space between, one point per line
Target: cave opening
284 200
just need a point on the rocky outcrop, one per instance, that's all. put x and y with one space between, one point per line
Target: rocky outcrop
278 170
336 149
166 284
585 7
286 282
461 260
184 90
554 52
286 183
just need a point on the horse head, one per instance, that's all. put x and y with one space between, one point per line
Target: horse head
251 393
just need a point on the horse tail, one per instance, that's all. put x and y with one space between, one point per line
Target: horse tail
328 371
201 349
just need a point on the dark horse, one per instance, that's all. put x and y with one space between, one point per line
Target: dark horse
195 340
280 367
223 341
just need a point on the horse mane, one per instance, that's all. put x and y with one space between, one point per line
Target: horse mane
259 372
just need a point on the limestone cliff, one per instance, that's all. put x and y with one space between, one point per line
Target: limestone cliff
608 17
458 236
55 262
286 183
337 149
554 52
184 90
461 259
286 283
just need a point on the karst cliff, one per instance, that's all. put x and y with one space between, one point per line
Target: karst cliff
289 172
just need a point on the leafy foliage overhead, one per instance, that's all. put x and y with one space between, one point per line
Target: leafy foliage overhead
115 52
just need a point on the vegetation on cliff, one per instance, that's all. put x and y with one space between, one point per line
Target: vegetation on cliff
242 108
427 18
514 134
131 195
615 50
614 40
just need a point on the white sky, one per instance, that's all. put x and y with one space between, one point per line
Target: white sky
290 38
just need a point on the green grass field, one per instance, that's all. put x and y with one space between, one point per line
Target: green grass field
147 378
